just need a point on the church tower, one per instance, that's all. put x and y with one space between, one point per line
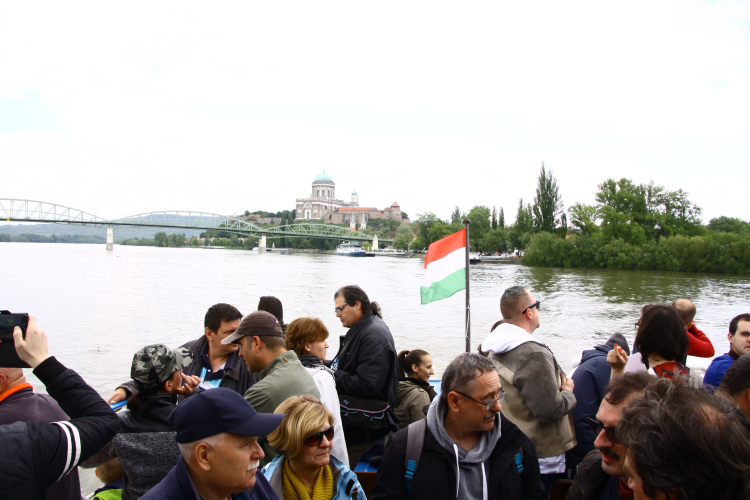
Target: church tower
355 199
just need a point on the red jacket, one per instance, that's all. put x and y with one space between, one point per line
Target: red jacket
698 344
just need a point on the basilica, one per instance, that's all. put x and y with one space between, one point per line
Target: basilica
322 205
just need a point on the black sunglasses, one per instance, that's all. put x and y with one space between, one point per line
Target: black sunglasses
536 304
597 429
317 438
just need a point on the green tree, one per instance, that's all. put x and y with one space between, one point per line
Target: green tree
548 205
520 232
501 218
403 238
479 216
728 225
160 239
456 215
494 217
585 218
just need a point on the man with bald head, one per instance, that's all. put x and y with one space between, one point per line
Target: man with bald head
540 396
698 344
19 403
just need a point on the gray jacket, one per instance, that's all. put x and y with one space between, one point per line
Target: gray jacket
531 377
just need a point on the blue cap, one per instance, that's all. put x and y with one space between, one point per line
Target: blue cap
214 411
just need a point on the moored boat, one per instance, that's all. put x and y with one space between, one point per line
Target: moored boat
351 249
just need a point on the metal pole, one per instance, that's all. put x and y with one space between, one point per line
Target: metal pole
468 307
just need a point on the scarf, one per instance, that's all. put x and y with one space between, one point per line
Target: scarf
671 370
293 489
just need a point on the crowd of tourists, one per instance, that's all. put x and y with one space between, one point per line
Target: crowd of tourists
255 409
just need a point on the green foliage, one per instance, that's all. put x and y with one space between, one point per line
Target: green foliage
404 215
521 231
138 242
585 218
479 216
404 238
718 252
548 204
495 240
501 218
728 225
54 238
160 239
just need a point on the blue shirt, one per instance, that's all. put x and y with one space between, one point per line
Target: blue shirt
717 369
207 375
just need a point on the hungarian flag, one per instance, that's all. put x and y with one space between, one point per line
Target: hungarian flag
445 268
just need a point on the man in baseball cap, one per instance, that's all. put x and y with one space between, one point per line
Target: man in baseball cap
217 432
282 375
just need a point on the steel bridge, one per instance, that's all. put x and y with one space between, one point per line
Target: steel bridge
43 212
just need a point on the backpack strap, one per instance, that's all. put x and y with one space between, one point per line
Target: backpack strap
414 444
519 460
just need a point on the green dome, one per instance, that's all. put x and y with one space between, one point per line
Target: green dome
324 177
354 193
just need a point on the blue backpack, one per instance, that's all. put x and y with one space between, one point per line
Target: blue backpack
414 444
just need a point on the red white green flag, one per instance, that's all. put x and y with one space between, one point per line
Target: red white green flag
445 268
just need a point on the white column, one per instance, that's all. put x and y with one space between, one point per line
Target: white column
262 244
110 238
353 222
375 242
364 222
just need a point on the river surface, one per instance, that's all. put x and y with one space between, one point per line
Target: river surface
98 308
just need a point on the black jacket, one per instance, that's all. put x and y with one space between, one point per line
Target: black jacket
592 483
37 454
435 477
367 365
591 377
238 379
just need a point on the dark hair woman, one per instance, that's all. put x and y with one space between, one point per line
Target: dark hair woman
414 390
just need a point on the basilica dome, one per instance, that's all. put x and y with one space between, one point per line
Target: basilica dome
324 177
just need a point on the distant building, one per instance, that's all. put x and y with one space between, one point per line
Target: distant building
322 205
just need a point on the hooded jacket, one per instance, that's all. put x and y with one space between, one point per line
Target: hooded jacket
413 395
447 472
531 377
344 480
591 378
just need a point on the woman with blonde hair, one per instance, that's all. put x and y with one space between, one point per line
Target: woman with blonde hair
305 468
307 338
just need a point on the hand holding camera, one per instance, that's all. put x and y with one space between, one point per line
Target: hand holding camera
22 343
33 348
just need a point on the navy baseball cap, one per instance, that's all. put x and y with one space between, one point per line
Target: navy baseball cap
214 411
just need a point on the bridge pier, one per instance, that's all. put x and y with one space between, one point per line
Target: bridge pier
262 244
110 239
375 242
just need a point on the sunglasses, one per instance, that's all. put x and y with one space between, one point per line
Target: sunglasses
597 429
536 304
317 438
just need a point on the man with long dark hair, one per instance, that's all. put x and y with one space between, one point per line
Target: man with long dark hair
366 365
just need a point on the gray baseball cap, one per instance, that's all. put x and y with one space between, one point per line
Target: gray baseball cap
260 323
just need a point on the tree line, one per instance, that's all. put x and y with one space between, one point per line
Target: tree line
63 238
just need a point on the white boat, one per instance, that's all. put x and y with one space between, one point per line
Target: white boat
351 249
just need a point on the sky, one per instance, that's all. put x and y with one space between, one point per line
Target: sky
125 108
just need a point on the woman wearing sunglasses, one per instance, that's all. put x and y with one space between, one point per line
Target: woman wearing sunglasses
305 468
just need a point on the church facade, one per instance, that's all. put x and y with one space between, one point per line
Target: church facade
323 206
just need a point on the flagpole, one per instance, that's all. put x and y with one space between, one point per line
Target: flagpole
468 308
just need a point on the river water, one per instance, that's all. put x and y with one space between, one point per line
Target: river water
98 308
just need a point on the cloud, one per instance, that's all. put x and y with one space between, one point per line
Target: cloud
238 106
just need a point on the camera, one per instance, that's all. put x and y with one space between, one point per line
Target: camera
8 355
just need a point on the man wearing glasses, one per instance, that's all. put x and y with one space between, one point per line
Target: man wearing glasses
468 450
601 474
540 396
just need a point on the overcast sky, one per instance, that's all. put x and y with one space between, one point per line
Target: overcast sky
133 107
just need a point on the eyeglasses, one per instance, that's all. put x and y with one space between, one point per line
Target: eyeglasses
488 405
339 309
597 429
317 438
532 306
